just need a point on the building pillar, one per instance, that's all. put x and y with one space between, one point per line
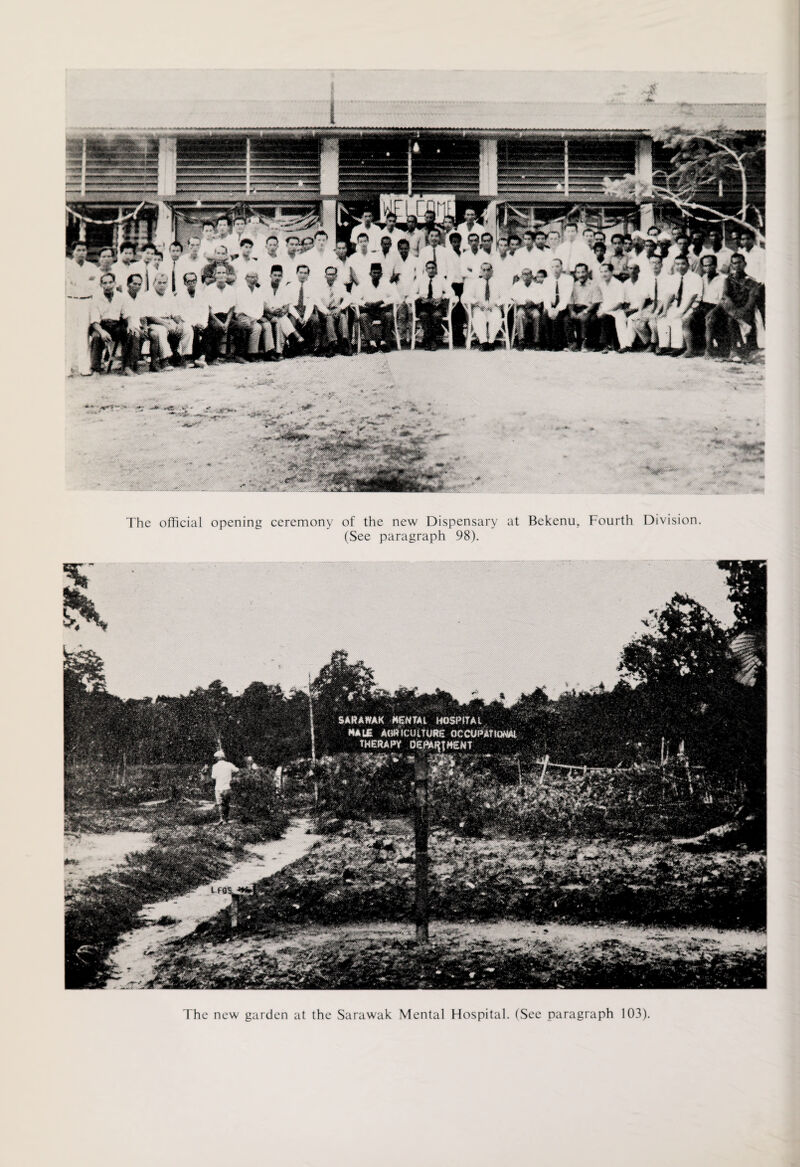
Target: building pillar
487 178
329 184
167 186
644 175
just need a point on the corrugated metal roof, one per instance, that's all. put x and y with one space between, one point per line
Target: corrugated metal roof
173 100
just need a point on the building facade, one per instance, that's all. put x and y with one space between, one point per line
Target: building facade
151 154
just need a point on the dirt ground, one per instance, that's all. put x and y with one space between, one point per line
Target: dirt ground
477 422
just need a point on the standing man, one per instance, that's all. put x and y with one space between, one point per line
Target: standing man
368 227
392 230
573 250
318 258
126 266
361 260
209 241
82 283
469 225
416 239
432 252
223 772
191 261
432 296
172 267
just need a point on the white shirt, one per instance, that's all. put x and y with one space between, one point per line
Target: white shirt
612 294
395 235
154 305
82 280
505 269
635 294
406 272
522 293
186 264
537 259
193 309
250 301
471 264
441 288
309 299
477 294
755 263
317 262
692 289
416 240
374 232
572 253
132 309
564 284
222 772
713 289
332 297
207 248
103 309
360 265
438 254
275 298
121 271
265 263
220 299
723 258
465 231
242 266
368 293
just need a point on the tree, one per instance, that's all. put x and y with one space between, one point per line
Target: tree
78 606
703 161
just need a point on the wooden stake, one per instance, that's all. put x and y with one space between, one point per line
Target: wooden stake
234 910
421 846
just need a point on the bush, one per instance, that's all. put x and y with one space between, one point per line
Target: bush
256 801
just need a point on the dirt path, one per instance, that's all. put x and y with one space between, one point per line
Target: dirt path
506 422
132 961
89 854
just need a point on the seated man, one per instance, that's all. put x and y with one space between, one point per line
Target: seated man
333 302
431 298
193 308
486 306
107 326
132 300
277 299
250 326
611 318
303 311
376 299
165 327
738 302
557 292
528 298
581 311
683 291
645 320
636 291
710 316
221 299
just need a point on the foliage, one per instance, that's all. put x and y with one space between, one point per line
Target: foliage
78 606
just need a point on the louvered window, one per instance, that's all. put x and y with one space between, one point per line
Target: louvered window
112 165
527 168
590 160
284 164
443 166
378 165
212 164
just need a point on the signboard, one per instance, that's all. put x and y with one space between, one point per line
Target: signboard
418 734
403 204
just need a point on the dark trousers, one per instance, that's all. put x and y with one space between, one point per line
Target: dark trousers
553 335
459 317
376 320
337 326
430 314
117 330
709 321
606 331
214 335
579 326
528 326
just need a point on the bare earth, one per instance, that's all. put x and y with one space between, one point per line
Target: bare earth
478 422
89 854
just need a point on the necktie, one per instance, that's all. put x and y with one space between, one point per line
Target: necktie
680 291
173 279
655 289
486 293
430 289
330 299
433 252
147 277
300 300
556 297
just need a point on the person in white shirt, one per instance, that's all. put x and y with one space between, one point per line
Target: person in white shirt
370 229
533 253
683 293
431 298
221 298
223 773
556 295
754 258
333 302
376 299
270 256
716 248
392 230
573 250
505 266
361 260
254 231
81 284
318 258
644 320
107 326
171 267
291 258
404 279
486 306
234 240
388 257
469 226
528 299
165 327
471 261
711 312
638 291
303 309
611 315
249 324
416 237
224 232
192 304
208 242
245 262
277 298
192 260
126 265
487 248
579 322
433 252
132 299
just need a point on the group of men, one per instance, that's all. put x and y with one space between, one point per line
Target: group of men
237 294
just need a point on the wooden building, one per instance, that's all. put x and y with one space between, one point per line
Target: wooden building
162 150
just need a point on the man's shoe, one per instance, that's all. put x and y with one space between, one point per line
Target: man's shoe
129 373
239 360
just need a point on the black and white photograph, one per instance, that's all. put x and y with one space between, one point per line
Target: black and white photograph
530 775
385 280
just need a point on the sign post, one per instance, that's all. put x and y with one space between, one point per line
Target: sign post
421 847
